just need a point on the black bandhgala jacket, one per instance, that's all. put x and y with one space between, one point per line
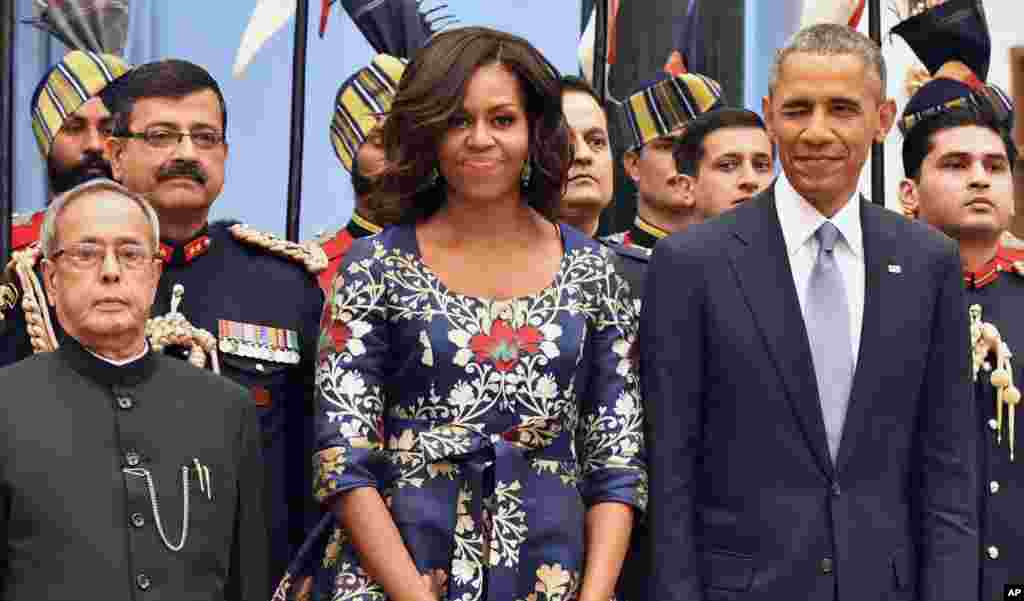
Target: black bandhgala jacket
78 436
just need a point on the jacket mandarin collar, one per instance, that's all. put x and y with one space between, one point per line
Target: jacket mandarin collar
107 374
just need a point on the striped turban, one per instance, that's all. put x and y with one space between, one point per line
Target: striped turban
941 95
360 103
72 82
664 106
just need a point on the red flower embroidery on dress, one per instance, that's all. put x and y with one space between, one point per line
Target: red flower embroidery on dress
504 345
340 334
334 338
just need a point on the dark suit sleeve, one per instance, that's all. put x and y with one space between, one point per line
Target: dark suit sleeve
946 451
671 342
5 511
250 554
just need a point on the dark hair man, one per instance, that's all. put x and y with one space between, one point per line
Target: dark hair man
959 161
128 473
170 144
782 468
592 175
724 158
655 116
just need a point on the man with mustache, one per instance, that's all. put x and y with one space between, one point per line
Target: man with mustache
359 111
724 158
814 437
655 117
253 292
71 121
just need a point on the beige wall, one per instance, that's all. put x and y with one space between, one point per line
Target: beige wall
1004 17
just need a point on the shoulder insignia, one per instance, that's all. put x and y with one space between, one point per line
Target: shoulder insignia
33 299
26 229
334 244
307 254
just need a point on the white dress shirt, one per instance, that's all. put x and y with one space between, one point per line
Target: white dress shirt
800 220
122 362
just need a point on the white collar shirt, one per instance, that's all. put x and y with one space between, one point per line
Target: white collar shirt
800 220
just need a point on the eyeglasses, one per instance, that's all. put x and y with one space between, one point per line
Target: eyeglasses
159 137
88 256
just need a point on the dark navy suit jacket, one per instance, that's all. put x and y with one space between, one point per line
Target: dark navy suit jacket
745 502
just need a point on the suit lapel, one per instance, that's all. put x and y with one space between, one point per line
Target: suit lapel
879 251
759 258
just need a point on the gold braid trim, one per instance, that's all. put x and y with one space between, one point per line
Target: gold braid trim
174 329
33 299
307 254
986 341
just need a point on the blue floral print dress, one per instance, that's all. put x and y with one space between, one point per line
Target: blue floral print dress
488 426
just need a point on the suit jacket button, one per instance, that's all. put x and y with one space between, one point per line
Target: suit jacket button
137 520
125 402
143 582
836 491
826 566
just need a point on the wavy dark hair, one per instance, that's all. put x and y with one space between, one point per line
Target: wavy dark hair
433 89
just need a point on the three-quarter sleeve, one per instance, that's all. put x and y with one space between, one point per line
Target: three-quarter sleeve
610 438
352 356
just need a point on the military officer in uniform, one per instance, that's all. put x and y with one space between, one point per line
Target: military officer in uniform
253 293
124 474
248 295
71 122
362 103
654 117
958 159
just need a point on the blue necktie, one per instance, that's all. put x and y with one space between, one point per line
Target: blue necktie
827 317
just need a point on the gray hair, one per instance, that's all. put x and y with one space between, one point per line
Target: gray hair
831 39
48 236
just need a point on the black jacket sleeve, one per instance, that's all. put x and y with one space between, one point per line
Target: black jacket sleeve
249 579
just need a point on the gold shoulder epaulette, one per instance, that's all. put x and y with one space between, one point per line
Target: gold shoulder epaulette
33 298
308 254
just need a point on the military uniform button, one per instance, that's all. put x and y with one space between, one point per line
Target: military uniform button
826 566
993 487
993 425
137 520
143 582
132 458
993 552
260 368
125 402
